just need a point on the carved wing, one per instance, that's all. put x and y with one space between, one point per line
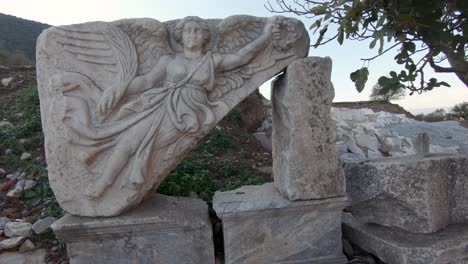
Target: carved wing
99 47
150 38
234 33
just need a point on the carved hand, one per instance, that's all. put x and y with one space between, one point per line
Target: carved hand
109 99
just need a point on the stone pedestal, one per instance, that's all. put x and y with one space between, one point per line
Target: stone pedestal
165 230
261 226
393 245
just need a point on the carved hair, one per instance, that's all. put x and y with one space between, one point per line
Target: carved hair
179 29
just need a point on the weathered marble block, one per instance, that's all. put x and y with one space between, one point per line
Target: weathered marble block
305 162
166 230
123 102
419 193
260 226
393 245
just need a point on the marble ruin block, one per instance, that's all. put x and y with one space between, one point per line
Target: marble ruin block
420 193
305 162
260 226
396 246
165 230
122 103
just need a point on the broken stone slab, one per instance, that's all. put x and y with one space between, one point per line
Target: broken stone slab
11 242
306 164
31 257
162 229
419 193
393 245
43 224
261 226
114 132
15 229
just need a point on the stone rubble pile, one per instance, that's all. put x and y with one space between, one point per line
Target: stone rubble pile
362 133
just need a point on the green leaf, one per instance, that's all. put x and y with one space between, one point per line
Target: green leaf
319 10
373 42
340 36
359 78
409 46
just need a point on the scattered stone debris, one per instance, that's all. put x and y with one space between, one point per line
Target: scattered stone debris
11 243
26 246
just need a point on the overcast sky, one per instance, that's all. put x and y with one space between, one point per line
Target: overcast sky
346 58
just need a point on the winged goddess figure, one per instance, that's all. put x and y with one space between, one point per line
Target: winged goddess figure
160 100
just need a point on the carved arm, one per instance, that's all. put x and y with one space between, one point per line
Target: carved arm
226 62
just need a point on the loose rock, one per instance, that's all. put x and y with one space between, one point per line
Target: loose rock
11 243
15 193
6 81
16 229
2 173
7 185
3 221
27 246
41 225
25 156
28 184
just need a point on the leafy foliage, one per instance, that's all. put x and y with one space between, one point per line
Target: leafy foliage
461 110
378 94
425 33
203 174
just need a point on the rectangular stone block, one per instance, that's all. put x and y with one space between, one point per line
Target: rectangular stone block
396 246
166 230
305 162
419 193
260 226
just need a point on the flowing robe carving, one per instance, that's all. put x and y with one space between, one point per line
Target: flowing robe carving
153 129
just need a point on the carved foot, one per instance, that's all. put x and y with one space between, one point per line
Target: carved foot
94 191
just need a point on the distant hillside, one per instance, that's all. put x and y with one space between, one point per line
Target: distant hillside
19 35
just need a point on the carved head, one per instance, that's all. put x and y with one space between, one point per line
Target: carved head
192 32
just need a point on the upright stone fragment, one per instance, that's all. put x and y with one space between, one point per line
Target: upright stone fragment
305 162
162 229
122 103
261 227
419 193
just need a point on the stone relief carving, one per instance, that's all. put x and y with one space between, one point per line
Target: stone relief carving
123 102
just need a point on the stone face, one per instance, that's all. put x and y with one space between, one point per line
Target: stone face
31 257
124 102
396 246
305 161
162 229
15 229
260 226
41 225
419 193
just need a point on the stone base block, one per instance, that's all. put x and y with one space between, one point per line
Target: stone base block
166 230
394 245
261 226
419 193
